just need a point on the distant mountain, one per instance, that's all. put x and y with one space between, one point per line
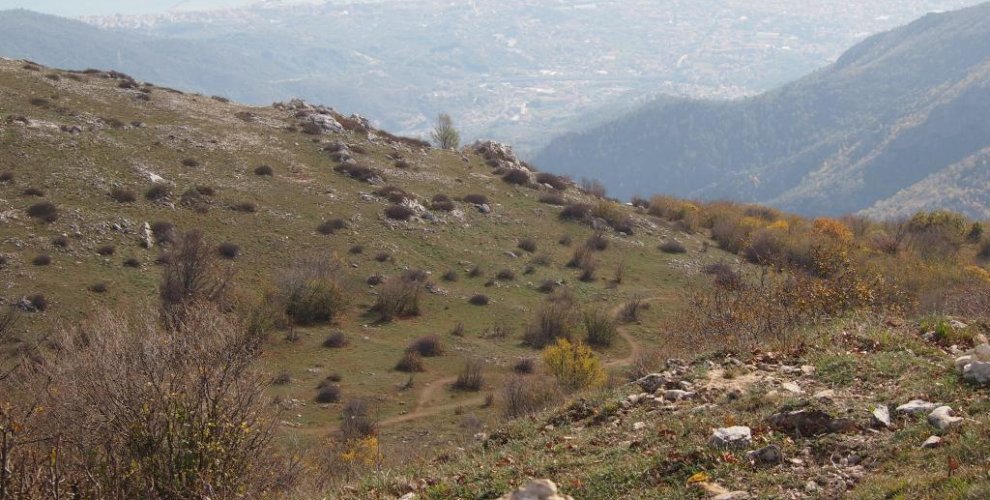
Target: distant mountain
520 71
898 123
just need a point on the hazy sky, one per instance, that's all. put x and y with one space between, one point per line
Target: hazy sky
74 8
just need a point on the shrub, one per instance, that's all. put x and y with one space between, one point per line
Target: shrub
190 162
984 250
6 177
163 232
450 276
555 181
416 276
506 275
313 291
458 330
527 244
574 365
410 362
132 262
475 272
45 211
471 377
248 207
37 302
575 211
427 347
356 250
282 378
516 176
32 191
401 164
548 286
478 300
443 205
444 134
100 287
61 241
106 250
640 202
264 170
673 247
192 277
228 250
524 366
597 242
375 279
359 172
630 310
121 195
522 396
356 422
554 320
593 187
331 226
588 267
476 199
383 257
393 194
42 260
399 212
199 392
553 199
329 393
398 298
600 328
206 190
565 240
157 192
725 275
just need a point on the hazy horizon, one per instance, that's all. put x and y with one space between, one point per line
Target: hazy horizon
75 8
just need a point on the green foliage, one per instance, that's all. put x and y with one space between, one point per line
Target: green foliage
574 364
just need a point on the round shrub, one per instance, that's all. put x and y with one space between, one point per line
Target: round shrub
228 250
42 260
157 192
264 171
106 250
328 394
478 300
476 199
335 340
331 226
121 195
399 212
673 247
427 347
45 211
100 287
410 362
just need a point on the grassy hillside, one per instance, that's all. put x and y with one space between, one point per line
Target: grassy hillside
128 362
879 131
112 154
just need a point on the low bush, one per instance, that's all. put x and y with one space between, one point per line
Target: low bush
132 263
264 171
121 195
42 260
393 194
359 172
451 276
312 290
554 320
522 396
553 199
335 340
383 257
630 310
6 177
32 191
356 422
410 362
575 211
475 272
228 250
163 232
375 279
248 207
331 226
471 377
60 241
476 199
548 286
673 247
45 211
328 394
428 347
527 244
398 298
99 287
597 242
157 192
399 212
555 181
600 328
106 250
516 177
506 275
479 300
37 302
524 366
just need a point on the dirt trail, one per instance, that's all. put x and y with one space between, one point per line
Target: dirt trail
430 391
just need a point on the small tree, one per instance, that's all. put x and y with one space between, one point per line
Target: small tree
445 136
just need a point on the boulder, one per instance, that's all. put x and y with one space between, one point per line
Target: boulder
326 123
932 442
731 437
881 416
941 418
974 365
769 455
537 489
653 382
916 406
677 395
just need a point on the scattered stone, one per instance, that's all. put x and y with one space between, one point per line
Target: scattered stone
408 496
638 426
932 442
731 437
537 489
808 423
677 395
881 417
732 495
941 418
974 365
769 455
792 388
825 395
652 382
916 406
